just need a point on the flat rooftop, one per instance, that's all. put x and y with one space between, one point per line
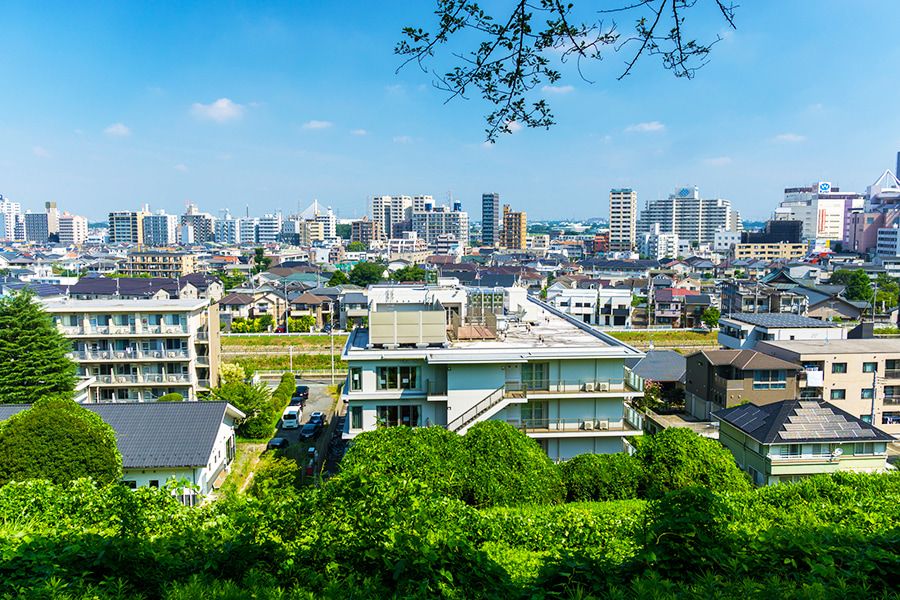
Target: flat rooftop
864 346
779 320
63 305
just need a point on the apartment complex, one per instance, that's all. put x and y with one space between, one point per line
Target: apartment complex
860 376
515 229
126 226
139 350
770 251
160 229
490 219
10 213
433 223
391 216
438 355
73 229
160 263
198 225
690 217
622 220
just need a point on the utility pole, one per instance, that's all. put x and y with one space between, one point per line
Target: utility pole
331 338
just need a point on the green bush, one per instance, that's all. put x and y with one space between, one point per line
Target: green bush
255 401
59 440
275 475
677 458
508 468
173 397
601 477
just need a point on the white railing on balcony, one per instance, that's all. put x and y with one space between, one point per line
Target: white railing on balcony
126 355
144 378
561 386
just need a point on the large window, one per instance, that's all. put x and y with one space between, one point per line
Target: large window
405 414
867 393
355 379
536 376
838 367
769 379
838 394
397 378
356 417
534 414
870 367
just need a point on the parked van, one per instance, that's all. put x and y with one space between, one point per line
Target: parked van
291 417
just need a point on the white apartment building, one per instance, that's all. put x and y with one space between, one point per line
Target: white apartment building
227 230
73 229
658 245
139 350
160 229
432 222
9 213
724 241
268 229
389 213
600 307
622 220
558 380
246 229
409 247
689 216
202 224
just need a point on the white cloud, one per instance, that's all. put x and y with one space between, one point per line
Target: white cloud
718 161
646 127
40 152
359 132
791 138
402 139
220 111
514 126
117 130
314 124
181 167
558 89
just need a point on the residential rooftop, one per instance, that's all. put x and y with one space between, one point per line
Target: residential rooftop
779 320
63 305
849 346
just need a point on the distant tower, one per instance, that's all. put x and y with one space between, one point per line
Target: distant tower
897 171
490 219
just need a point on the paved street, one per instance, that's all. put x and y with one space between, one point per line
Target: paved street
319 400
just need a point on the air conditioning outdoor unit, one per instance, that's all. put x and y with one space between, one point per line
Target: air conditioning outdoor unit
589 386
603 424
157 354
173 378
171 355
603 387
588 425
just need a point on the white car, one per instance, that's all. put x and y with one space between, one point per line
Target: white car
291 417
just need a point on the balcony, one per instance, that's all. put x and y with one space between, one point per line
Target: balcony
572 425
728 384
146 378
203 361
566 386
128 356
892 373
891 401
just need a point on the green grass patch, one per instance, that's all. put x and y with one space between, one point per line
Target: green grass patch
247 456
887 331
282 362
667 337
283 340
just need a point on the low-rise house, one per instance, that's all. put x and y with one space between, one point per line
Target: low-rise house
597 306
319 308
678 307
789 440
192 443
354 309
717 379
745 330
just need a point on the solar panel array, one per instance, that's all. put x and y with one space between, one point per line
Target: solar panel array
813 421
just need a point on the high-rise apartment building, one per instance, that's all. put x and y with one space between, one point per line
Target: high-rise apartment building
127 226
392 215
37 229
432 222
9 213
515 229
247 227
73 229
622 220
160 229
201 222
268 229
226 229
690 217
361 231
490 219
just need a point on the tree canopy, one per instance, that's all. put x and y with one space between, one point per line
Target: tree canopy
338 278
366 273
410 273
59 440
858 285
356 247
33 353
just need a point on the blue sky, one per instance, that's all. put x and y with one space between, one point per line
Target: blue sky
233 105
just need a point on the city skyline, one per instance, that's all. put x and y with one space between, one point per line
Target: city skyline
121 107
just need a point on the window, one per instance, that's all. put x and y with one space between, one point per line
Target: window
154 483
536 376
397 378
534 414
769 379
356 417
355 379
866 419
405 414
130 484
790 450
838 367
838 394
870 367
868 393
863 448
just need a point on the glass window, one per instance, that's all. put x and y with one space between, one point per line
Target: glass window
870 367
838 367
154 483
868 393
130 484
392 416
356 417
397 378
862 448
536 376
866 419
769 379
355 379
838 394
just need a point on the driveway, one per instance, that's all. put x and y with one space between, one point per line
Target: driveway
319 400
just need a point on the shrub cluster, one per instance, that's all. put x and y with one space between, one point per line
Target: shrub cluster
262 407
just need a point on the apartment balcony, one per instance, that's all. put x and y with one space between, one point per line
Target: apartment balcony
147 379
728 384
891 401
892 373
128 356
203 337
568 386
203 384
580 427
120 330
203 361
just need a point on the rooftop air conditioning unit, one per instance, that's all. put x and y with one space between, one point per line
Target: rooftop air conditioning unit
603 387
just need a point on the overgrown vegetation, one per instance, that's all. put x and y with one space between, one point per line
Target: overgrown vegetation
261 407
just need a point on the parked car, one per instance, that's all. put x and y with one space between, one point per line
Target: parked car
302 391
327 328
318 418
312 454
277 443
309 430
290 419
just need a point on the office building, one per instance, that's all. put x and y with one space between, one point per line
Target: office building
774 232
490 219
880 211
160 229
443 356
515 229
690 217
622 220
127 226
139 350
73 229
154 263
201 223
820 208
432 222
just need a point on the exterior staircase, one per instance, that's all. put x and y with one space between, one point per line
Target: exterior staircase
485 409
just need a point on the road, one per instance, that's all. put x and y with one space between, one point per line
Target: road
319 400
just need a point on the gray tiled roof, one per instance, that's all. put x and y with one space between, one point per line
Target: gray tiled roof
157 434
661 365
778 320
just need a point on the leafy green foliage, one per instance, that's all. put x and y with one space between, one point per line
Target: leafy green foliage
365 273
255 401
356 247
173 397
276 475
858 285
261 262
677 458
33 354
304 323
59 440
338 278
410 273
231 373
888 292
257 325
231 279
710 317
601 477
508 468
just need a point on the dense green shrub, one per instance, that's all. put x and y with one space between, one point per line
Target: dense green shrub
430 454
676 458
507 468
59 440
601 477
255 401
275 475
173 397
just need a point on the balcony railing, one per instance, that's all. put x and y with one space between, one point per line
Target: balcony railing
728 384
892 373
570 425
892 400
143 378
564 386
125 355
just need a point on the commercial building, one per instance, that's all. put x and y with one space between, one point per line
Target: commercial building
515 229
126 226
73 229
161 263
622 220
490 219
689 216
770 251
861 376
139 350
438 359
790 440
160 229
820 208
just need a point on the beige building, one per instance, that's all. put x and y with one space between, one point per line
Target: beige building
73 229
622 220
860 376
515 229
160 264
139 350
127 226
776 251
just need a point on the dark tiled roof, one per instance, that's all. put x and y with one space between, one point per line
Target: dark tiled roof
747 359
124 286
799 421
661 365
236 300
777 320
157 434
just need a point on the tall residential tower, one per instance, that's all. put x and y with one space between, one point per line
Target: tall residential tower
622 219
